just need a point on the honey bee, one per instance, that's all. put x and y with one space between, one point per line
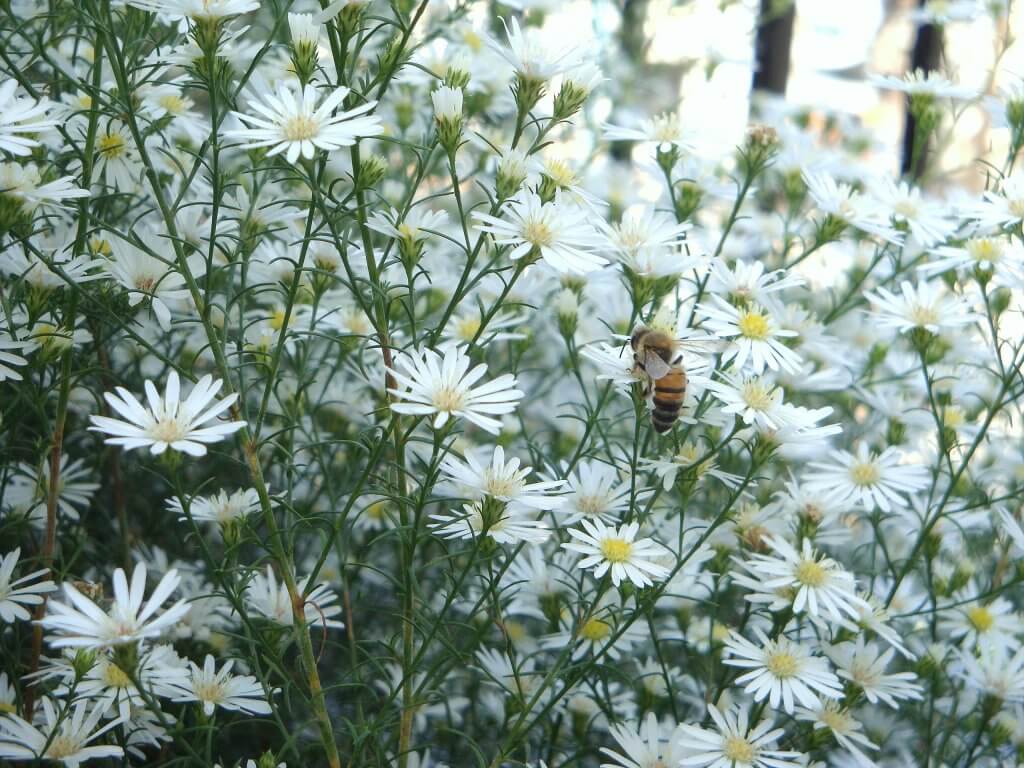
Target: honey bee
658 356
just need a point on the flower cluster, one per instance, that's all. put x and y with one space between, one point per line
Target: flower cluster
381 384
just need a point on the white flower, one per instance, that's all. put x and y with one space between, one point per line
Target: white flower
447 103
818 584
84 625
532 57
862 664
292 123
481 476
212 689
781 671
417 225
15 595
595 492
1003 207
20 115
8 359
754 334
117 157
925 83
304 29
664 129
994 672
866 479
558 232
443 386
844 203
504 524
648 745
926 305
746 281
147 277
734 743
168 421
977 624
25 183
222 508
641 229
848 732
61 737
268 598
605 548
197 9
928 220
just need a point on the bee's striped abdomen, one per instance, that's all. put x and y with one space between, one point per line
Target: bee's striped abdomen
669 393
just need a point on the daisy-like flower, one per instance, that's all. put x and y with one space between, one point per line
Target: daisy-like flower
15 595
61 737
222 508
25 184
994 672
841 202
863 665
926 305
83 624
532 57
734 743
643 228
212 689
293 123
991 254
665 129
269 598
21 116
117 157
817 583
558 232
781 671
503 524
606 548
595 493
1002 207
758 401
477 478
197 9
147 277
754 334
416 226
74 488
922 82
927 220
867 480
746 281
430 384
9 346
650 744
847 731
977 624
168 421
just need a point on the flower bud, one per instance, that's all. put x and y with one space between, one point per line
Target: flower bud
305 37
371 171
448 117
567 305
511 174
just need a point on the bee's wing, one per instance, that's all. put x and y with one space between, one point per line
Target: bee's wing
654 366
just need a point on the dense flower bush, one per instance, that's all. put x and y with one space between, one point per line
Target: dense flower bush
381 384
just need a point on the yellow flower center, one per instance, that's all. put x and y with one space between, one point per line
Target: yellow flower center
111 145
616 550
472 40
811 573
757 395
448 399
738 750
115 677
836 719
209 691
62 746
300 128
591 505
538 232
375 511
560 173
753 325
277 319
922 315
665 127
6 708
167 431
865 473
981 618
985 249
173 103
782 664
595 630
466 327
145 284
1017 207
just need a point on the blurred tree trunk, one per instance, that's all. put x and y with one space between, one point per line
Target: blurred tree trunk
926 55
774 39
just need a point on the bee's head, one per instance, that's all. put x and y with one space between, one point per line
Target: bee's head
638 333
